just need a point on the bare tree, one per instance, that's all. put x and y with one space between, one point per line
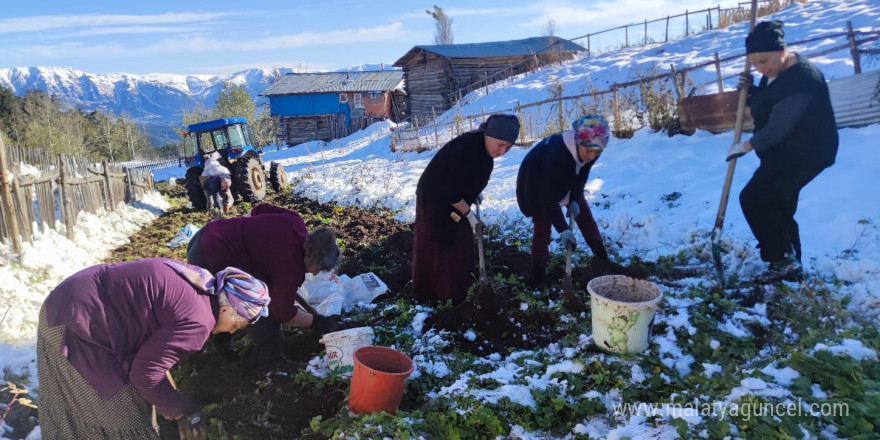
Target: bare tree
443 26
109 142
550 28
133 137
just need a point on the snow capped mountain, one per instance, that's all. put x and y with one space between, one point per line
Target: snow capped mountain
158 100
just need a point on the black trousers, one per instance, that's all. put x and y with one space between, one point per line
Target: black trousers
769 201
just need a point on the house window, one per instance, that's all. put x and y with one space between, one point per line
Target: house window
358 100
343 98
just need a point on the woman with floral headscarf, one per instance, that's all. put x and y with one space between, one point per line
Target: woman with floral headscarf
552 175
108 335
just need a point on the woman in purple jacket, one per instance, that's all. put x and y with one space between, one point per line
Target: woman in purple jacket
274 245
443 246
553 175
108 335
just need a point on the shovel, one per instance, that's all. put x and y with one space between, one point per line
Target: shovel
731 165
485 301
572 302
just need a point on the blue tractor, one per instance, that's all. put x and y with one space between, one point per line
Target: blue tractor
233 139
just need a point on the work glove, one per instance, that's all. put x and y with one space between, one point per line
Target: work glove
574 208
746 81
190 426
736 150
324 324
566 237
472 219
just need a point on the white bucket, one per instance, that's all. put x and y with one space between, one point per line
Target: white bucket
623 311
340 346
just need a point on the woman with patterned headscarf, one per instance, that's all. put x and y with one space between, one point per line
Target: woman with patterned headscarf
108 335
553 175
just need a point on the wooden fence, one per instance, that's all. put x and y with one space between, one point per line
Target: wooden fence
648 101
39 191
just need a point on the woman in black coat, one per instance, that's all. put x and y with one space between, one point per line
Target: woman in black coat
795 137
443 246
552 175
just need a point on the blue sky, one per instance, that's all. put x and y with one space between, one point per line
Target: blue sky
220 37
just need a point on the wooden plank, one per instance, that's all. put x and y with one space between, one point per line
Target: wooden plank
853 107
715 113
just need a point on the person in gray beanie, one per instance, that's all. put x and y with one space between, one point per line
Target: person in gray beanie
443 245
795 138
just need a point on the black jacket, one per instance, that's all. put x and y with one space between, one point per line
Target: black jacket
546 174
459 170
811 138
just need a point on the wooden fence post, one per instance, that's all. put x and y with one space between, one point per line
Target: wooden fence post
687 24
518 111
617 122
646 32
589 53
718 73
436 140
487 83
626 34
561 113
108 191
666 38
129 185
674 77
853 48
63 191
6 194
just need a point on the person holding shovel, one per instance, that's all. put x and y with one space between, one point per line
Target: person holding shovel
108 335
552 176
443 245
273 244
795 137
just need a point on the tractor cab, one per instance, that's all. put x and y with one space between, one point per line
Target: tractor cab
231 137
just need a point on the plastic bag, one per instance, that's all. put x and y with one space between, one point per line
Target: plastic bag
323 292
330 294
362 288
183 236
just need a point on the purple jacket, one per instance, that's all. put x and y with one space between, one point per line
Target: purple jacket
267 245
131 322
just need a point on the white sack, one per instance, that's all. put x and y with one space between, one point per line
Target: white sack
330 294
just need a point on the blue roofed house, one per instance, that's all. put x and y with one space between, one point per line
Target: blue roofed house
436 76
331 105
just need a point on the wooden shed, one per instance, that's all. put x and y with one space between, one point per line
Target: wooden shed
435 76
330 105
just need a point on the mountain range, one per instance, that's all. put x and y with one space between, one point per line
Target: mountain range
155 100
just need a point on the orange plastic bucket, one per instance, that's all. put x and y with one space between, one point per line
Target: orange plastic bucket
378 379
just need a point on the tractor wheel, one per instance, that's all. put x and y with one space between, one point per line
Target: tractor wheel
278 178
249 181
194 189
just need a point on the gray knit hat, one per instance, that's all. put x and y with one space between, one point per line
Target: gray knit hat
502 126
